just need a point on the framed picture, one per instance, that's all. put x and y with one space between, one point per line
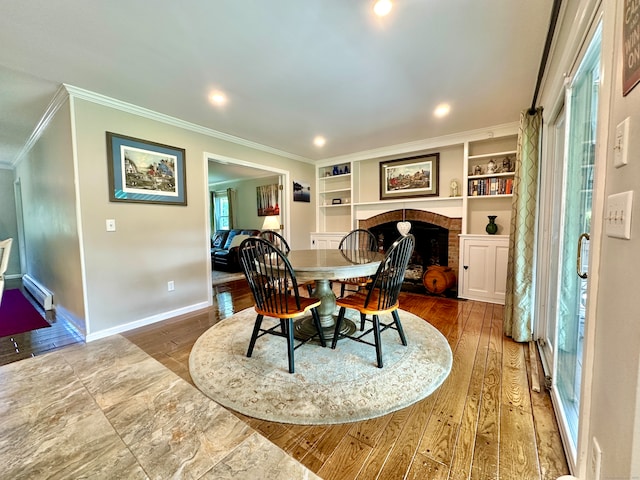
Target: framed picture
409 177
301 192
268 200
630 45
145 172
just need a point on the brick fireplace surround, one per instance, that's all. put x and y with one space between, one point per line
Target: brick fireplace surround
453 225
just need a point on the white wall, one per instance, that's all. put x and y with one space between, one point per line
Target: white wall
615 412
126 271
8 221
52 243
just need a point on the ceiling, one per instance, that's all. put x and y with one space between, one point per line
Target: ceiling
291 70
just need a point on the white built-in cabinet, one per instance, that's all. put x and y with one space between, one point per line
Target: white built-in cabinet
482 168
326 240
483 267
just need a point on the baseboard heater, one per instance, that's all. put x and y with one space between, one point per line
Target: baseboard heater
43 296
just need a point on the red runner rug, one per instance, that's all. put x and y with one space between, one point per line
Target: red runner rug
17 315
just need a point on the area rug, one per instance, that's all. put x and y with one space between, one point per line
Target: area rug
329 386
17 315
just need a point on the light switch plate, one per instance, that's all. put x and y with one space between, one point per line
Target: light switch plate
111 225
618 215
621 144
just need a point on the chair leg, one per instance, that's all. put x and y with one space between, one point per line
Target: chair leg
336 332
289 328
254 335
363 318
376 336
342 288
396 318
316 321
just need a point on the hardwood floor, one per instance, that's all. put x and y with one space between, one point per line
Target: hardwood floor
484 422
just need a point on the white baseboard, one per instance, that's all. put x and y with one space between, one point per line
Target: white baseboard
92 336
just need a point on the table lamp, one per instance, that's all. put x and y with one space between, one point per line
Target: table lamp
271 222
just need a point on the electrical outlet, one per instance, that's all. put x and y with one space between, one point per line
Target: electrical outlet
617 219
171 286
595 460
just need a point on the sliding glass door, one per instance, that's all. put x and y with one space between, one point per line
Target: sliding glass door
566 233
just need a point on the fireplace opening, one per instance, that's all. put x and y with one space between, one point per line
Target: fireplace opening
432 248
437 243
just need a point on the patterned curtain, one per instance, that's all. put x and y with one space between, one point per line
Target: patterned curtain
518 309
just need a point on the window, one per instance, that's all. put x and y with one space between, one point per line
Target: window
221 210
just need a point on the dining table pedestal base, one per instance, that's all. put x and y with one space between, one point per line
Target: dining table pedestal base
305 328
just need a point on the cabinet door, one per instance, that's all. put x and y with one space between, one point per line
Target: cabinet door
502 258
325 241
477 268
484 273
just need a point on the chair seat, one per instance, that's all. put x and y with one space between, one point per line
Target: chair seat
357 301
291 309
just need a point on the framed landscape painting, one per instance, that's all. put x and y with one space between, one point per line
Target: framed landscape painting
145 172
409 177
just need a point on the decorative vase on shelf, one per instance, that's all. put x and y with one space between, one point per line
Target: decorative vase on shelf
492 227
336 171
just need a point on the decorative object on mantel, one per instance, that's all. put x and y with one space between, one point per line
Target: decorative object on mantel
403 227
492 227
453 186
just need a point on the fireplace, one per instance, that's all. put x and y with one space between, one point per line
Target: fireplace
437 241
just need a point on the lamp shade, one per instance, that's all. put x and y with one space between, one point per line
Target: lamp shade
271 222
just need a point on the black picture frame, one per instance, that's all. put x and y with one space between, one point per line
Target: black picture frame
410 177
142 171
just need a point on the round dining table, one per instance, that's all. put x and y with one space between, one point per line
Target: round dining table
322 266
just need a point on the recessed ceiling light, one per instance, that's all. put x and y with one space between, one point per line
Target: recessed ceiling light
382 7
218 98
442 110
319 141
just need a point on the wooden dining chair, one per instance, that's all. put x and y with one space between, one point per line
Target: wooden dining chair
280 242
277 239
356 241
381 298
270 275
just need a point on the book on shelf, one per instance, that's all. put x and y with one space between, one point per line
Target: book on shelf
490 186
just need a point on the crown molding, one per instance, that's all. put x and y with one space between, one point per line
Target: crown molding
426 144
99 99
57 101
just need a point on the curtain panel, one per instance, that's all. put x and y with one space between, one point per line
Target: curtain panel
519 301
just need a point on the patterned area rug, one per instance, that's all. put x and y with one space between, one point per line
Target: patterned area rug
329 386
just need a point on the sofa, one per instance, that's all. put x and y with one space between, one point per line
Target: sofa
224 248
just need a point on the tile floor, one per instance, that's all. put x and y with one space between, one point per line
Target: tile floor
108 410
